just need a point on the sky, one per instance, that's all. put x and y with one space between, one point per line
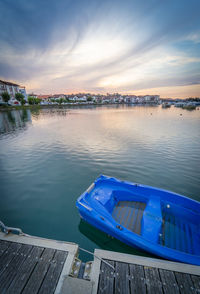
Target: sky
102 46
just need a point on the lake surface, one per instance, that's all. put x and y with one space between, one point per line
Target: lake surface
48 157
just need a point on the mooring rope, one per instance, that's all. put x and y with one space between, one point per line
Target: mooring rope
7 230
102 260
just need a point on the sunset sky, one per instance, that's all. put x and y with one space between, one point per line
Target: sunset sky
100 46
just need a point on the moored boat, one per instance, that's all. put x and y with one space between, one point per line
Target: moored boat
158 221
166 105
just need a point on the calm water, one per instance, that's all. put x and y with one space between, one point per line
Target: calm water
50 156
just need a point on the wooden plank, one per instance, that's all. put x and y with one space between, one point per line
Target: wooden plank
134 217
168 282
124 212
183 237
147 261
121 211
50 282
191 239
125 221
115 211
121 278
188 237
130 212
177 234
137 227
167 231
137 284
11 271
172 236
106 279
196 282
187 247
185 283
39 272
152 279
162 240
25 271
3 246
8 255
40 242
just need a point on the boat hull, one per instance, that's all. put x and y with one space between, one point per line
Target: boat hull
152 219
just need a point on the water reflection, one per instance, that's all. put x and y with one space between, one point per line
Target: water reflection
106 242
12 120
55 154
48 112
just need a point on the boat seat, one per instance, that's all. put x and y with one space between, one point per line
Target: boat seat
105 197
152 220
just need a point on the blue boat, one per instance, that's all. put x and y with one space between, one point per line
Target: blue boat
155 220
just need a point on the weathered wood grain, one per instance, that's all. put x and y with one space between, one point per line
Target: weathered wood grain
121 278
106 279
137 280
14 266
185 283
39 273
196 282
152 279
25 271
8 255
3 246
169 283
51 279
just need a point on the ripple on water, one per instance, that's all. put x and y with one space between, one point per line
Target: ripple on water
50 159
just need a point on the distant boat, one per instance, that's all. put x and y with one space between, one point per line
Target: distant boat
166 105
158 221
179 104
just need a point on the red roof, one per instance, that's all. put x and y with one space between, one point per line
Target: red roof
43 96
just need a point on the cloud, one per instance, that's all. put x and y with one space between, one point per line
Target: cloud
98 45
194 37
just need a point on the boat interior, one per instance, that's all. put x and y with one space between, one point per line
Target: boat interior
159 221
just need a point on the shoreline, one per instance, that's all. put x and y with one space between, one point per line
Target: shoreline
39 106
5 108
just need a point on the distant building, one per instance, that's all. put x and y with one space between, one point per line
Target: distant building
12 89
82 99
22 90
73 98
43 97
9 87
99 99
32 95
151 98
58 96
131 99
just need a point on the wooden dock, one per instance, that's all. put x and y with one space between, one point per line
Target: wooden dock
135 274
31 265
40 266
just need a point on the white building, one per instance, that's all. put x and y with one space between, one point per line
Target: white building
11 89
75 98
82 99
151 98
